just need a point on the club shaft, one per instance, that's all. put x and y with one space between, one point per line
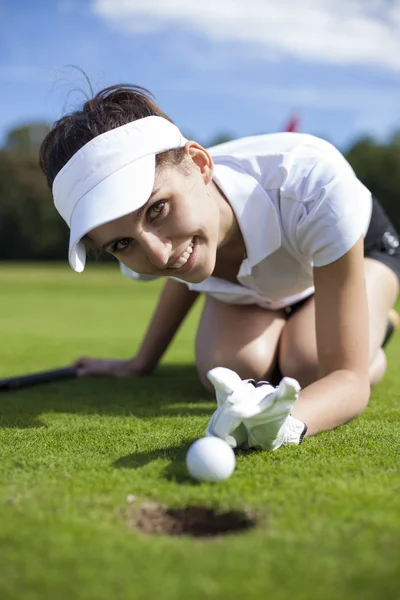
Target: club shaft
13 383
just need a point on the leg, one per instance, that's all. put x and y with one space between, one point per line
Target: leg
243 338
298 348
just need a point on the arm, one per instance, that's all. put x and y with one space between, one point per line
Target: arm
263 417
342 390
173 305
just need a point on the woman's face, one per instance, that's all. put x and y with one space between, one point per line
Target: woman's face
177 232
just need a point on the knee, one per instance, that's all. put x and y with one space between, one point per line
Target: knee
255 364
299 366
377 368
205 382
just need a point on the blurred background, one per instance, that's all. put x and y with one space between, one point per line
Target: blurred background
219 68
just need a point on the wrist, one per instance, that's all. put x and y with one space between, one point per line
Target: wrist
294 430
140 366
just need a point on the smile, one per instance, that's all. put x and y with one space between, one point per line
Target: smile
182 260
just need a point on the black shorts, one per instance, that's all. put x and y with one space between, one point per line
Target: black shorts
381 243
382 240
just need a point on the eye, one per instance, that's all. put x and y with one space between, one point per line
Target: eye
155 210
121 245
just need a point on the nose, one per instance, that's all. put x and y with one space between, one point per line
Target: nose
157 250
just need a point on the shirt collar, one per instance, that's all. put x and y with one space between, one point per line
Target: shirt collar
256 214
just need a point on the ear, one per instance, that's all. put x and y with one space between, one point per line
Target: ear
201 159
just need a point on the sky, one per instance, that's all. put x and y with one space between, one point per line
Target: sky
216 67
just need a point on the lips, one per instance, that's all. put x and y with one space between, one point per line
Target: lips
186 261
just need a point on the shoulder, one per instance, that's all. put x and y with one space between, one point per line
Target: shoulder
332 209
272 147
280 160
321 205
259 144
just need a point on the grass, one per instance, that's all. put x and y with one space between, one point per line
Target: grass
72 452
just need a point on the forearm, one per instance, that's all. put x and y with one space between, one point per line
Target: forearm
173 305
332 401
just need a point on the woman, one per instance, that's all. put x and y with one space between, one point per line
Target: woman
299 263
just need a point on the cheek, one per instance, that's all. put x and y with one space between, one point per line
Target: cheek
190 215
197 215
182 221
135 260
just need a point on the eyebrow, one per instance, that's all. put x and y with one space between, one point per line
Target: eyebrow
138 215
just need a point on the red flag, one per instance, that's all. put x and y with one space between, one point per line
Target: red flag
293 123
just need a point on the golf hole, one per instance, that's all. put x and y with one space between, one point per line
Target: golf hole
196 521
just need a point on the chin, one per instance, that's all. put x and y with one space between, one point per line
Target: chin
200 274
194 278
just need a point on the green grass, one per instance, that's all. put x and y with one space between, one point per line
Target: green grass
72 452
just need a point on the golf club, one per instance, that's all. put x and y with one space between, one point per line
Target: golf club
15 383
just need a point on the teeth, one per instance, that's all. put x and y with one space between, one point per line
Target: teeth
184 258
179 264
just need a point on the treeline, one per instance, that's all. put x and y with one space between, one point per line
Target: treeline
31 229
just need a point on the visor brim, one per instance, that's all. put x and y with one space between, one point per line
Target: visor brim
123 192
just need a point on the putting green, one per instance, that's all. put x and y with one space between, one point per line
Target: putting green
78 457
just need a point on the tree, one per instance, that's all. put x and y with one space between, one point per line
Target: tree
30 227
27 138
378 167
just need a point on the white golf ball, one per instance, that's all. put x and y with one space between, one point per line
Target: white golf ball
210 459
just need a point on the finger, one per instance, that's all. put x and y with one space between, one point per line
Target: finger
223 379
225 422
87 366
82 361
287 393
81 370
289 387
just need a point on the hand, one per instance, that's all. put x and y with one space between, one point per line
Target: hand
254 415
271 424
87 366
236 401
225 423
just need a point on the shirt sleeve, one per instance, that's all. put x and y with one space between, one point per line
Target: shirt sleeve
333 212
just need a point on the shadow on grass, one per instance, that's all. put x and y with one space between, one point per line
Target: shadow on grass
173 390
176 469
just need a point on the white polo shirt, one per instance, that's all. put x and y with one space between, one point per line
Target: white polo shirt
298 204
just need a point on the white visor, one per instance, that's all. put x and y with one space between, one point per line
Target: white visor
110 177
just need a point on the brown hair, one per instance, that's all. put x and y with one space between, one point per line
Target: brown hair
110 108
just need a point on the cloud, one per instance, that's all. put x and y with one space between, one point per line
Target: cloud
355 98
339 32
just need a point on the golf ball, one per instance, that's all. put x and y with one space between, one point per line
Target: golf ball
210 459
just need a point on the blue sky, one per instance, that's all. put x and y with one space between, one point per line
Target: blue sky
237 67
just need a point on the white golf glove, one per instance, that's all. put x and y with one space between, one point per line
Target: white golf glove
254 415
